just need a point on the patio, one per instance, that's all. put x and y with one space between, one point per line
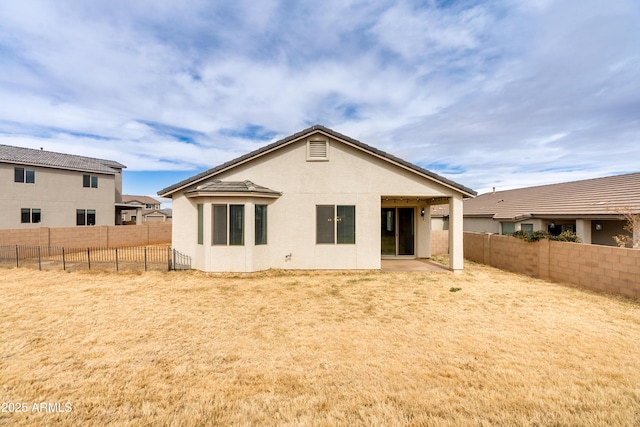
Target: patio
419 264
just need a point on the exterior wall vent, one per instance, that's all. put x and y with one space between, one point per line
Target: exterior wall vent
317 150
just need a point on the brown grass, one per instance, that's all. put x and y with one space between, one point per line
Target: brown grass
316 348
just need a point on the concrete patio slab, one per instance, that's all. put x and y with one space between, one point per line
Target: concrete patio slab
411 265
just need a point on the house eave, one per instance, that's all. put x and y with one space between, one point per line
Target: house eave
194 194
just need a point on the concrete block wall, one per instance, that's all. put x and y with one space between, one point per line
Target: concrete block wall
439 242
600 268
101 236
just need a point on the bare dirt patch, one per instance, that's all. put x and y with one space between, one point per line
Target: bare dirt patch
315 348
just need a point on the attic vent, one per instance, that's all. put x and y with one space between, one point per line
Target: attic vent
317 149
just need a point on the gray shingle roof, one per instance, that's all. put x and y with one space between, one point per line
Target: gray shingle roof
31 157
592 197
247 186
208 173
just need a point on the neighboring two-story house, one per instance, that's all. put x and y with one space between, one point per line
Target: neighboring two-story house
143 209
45 189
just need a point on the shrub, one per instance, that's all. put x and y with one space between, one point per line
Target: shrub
565 236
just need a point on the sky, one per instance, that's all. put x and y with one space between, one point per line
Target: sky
504 93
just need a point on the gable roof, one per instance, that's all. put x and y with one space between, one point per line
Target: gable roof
166 192
31 157
145 200
592 197
167 213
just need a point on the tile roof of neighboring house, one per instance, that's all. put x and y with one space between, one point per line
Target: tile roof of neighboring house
31 157
218 186
207 174
592 197
145 200
165 212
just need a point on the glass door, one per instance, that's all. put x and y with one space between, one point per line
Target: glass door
397 231
388 231
405 231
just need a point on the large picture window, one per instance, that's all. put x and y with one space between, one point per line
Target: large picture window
335 224
228 225
261 224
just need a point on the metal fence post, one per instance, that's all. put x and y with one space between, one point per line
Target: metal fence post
117 260
64 264
39 260
17 264
89 257
168 259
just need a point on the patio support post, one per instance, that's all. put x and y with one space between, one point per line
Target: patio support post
456 253
583 230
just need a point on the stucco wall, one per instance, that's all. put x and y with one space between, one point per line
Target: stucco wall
350 177
57 193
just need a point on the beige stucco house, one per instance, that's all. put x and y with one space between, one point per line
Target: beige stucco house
314 200
591 208
143 209
46 189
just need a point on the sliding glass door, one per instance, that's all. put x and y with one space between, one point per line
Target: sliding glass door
397 231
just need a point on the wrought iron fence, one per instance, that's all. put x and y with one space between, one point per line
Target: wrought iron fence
115 259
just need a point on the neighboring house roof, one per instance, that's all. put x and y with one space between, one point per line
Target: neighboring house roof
163 212
31 157
233 187
608 196
297 136
144 200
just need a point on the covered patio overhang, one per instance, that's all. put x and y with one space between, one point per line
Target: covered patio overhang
405 227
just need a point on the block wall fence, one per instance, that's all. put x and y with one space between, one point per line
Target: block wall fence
600 268
149 233
100 236
439 242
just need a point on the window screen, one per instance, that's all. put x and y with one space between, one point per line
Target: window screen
36 216
200 224
25 215
18 174
91 217
219 225
30 176
324 224
527 227
86 180
346 224
236 225
261 224
508 228
80 217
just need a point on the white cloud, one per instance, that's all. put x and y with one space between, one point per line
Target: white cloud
488 92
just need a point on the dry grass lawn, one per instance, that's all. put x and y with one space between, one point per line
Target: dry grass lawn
315 348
